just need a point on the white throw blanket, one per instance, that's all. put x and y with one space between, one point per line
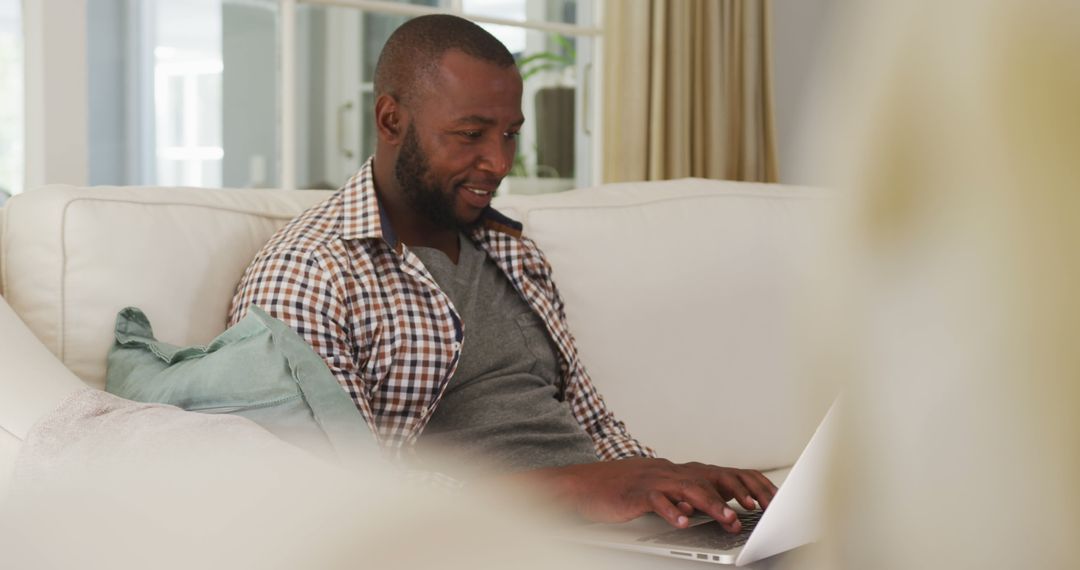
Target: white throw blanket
103 482
91 431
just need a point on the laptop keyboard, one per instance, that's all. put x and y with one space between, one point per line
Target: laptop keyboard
708 535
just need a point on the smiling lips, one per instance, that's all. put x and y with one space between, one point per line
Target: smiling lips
477 197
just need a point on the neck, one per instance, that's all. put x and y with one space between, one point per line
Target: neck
411 229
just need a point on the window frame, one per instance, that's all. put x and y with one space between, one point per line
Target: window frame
588 97
56 143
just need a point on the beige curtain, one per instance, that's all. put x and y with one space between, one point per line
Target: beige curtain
687 90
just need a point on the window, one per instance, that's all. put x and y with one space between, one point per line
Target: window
183 92
11 99
337 48
187 71
191 92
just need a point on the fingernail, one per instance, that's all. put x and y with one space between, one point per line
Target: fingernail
728 512
682 520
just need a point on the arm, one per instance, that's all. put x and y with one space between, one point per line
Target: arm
307 292
302 290
609 435
639 483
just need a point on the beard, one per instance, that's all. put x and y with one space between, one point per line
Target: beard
427 199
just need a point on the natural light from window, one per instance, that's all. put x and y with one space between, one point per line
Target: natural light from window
187 93
11 99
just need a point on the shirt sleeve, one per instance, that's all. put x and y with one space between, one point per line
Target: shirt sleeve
610 437
301 289
306 291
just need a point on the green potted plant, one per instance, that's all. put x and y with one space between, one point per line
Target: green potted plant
552 121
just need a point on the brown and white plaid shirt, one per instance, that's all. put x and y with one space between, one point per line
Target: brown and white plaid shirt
367 305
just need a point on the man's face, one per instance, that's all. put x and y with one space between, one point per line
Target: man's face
460 141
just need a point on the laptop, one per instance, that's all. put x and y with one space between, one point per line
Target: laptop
794 518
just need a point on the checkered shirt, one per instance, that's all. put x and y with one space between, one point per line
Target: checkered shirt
366 304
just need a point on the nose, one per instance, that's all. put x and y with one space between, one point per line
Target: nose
497 156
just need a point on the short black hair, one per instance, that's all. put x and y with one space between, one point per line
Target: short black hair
413 51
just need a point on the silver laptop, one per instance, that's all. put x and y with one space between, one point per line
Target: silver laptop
794 518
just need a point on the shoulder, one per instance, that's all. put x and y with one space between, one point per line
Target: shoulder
312 230
302 255
518 255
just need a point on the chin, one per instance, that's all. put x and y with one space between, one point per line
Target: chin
470 221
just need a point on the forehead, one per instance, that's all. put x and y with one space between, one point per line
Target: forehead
464 86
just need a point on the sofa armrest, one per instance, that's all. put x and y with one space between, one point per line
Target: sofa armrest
34 381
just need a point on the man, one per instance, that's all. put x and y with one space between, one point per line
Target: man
442 321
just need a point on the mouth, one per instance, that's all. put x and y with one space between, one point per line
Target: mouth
479 191
476 197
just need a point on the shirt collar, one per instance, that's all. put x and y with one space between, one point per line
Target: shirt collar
364 218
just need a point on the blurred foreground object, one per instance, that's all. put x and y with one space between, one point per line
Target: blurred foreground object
956 127
104 482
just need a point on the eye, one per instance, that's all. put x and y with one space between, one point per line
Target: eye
512 135
471 134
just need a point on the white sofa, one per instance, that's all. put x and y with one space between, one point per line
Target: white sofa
683 296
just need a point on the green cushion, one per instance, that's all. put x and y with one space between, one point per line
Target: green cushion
259 368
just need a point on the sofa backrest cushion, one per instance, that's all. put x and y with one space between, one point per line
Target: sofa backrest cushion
682 294
73 257
684 297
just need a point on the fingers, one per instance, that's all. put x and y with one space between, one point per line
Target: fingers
760 487
732 487
686 508
702 495
745 486
675 516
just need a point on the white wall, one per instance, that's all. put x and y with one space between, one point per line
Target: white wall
799 35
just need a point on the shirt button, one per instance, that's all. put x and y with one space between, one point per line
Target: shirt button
457 346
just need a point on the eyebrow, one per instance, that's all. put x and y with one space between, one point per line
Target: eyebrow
486 121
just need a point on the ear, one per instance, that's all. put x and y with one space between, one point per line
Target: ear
390 119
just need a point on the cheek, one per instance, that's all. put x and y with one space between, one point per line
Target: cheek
450 163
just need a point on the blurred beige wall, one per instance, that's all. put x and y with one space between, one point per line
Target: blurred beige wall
953 126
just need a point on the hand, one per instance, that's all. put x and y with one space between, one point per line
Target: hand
618 491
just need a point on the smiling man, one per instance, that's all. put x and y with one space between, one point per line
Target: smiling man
441 320
447 135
